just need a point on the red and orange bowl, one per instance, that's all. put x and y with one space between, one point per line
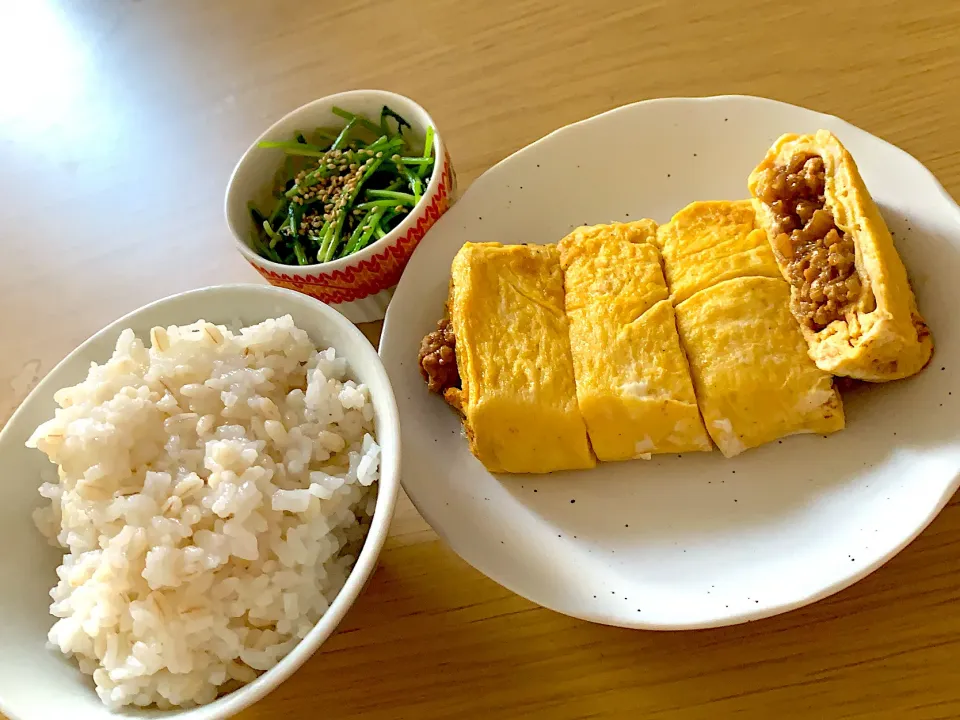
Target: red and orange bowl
360 285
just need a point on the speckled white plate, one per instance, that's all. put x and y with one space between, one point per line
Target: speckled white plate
698 540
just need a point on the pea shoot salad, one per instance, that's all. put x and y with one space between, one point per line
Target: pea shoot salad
343 189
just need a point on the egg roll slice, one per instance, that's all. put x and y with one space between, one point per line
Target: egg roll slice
518 395
849 288
633 382
710 241
751 372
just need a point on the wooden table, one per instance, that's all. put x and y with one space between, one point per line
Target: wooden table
120 123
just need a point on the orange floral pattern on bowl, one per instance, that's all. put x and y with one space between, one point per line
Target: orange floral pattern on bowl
378 272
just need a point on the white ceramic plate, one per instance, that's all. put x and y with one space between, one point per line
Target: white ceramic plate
698 540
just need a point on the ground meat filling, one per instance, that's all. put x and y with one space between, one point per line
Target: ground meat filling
821 260
438 358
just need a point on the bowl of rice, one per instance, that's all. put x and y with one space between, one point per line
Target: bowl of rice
193 499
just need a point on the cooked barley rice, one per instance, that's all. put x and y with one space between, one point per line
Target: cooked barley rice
214 491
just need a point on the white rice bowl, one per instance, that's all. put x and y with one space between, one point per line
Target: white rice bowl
214 492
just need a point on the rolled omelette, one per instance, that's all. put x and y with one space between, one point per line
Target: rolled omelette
708 242
518 396
753 378
632 379
849 288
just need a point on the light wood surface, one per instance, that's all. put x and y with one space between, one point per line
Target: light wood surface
120 123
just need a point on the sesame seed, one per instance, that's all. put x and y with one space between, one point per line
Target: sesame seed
379 155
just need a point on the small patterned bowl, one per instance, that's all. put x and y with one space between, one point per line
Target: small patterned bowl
358 286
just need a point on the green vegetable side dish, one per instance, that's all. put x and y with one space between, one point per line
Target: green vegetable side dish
342 189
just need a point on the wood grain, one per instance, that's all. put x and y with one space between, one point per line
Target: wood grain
120 123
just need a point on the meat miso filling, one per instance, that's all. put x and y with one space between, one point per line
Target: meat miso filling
821 259
438 358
